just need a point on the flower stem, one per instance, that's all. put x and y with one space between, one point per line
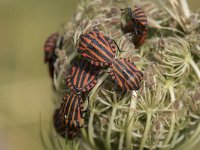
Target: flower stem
195 67
90 129
192 141
91 98
172 95
185 8
121 140
130 120
173 118
93 92
108 140
146 131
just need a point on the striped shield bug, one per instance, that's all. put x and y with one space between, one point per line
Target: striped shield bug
126 74
97 48
136 20
72 110
138 40
61 127
82 77
50 46
53 41
69 117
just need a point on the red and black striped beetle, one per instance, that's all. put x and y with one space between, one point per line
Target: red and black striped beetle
138 40
49 50
97 48
126 74
69 117
50 46
136 20
82 77
136 23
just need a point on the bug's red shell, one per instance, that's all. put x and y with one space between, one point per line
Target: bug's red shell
82 77
69 117
97 48
50 46
126 74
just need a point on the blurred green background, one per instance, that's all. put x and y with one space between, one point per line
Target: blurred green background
25 87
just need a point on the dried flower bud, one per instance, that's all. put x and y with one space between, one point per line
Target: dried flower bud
178 104
157 125
161 43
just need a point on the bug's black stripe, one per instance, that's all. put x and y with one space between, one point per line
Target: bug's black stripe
72 109
76 109
127 78
120 77
96 51
109 52
100 46
130 73
133 71
90 55
138 11
141 16
82 78
132 68
104 41
138 14
70 97
82 73
74 75
63 106
79 72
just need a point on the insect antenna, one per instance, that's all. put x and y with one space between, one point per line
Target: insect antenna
118 46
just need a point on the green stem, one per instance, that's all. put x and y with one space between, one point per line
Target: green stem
108 140
146 131
195 67
121 140
171 130
172 95
173 118
90 129
93 92
192 141
68 144
185 8
91 98
83 133
130 120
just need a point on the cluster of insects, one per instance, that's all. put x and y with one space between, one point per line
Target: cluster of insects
98 52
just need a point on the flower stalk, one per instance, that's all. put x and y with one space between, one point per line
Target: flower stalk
130 120
147 128
195 67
